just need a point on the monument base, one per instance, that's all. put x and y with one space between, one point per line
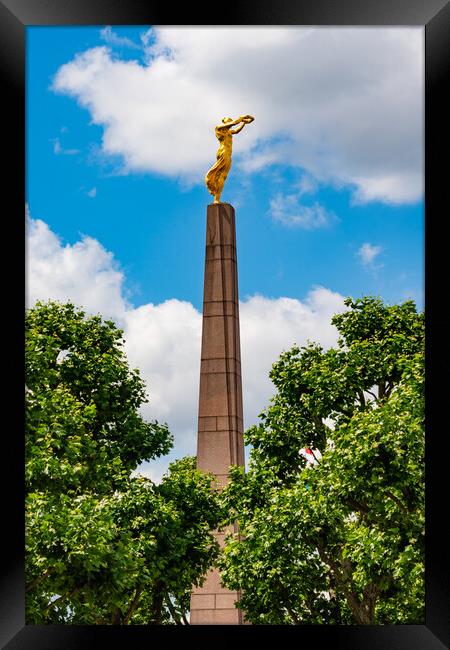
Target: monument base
213 604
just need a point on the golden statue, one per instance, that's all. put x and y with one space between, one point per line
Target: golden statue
216 176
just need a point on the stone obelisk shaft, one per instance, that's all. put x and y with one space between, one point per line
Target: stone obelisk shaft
220 424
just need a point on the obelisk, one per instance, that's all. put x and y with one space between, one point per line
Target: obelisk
220 424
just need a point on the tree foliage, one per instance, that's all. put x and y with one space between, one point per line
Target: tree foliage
340 541
103 546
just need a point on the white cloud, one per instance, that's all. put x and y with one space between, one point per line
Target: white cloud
367 253
164 340
271 326
343 104
85 272
92 193
307 185
58 149
107 35
286 209
394 188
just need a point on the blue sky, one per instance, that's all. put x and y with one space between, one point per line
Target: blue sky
326 182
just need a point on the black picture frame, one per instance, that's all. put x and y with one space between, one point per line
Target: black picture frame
434 16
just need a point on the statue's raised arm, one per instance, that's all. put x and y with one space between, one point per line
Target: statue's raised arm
216 176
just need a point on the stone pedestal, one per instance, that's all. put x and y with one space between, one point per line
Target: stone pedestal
220 424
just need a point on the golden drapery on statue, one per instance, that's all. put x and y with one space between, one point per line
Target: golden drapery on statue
215 178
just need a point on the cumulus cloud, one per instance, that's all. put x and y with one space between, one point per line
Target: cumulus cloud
107 35
367 253
163 341
343 104
271 326
84 272
286 209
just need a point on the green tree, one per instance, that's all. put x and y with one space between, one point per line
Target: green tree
103 546
340 541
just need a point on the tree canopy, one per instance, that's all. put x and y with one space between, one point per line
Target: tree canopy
103 546
339 540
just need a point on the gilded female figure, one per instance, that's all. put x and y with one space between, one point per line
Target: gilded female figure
216 176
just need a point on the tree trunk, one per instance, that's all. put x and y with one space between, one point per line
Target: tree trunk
363 611
172 611
133 605
158 601
38 580
116 618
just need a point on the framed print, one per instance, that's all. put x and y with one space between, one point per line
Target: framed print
91 145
